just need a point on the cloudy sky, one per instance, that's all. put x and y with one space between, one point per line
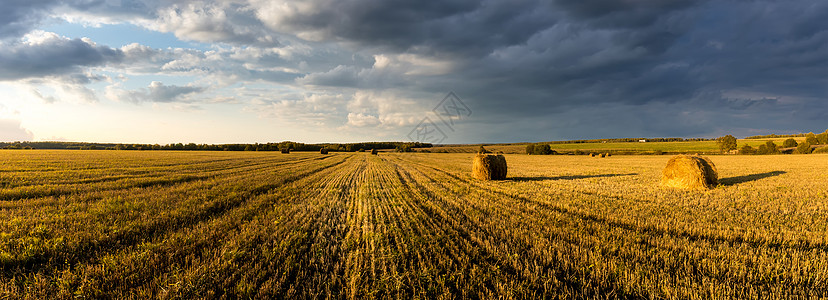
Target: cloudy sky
243 71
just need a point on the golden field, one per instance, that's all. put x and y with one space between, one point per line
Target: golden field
415 225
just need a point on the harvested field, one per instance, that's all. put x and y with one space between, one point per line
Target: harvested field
409 225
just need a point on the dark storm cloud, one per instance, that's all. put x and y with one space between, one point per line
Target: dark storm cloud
50 55
524 47
615 14
740 61
454 26
19 16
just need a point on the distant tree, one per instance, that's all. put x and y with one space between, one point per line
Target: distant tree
803 148
771 148
542 149
530 149
747 150
822 138
726 143
811 139
762 149
404 148
789 143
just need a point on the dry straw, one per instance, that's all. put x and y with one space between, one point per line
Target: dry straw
690 172
489 166
374 151
323 151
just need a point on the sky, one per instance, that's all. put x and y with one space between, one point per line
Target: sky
448 71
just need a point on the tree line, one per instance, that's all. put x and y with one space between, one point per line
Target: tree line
628 140
294 146
728 143
771 136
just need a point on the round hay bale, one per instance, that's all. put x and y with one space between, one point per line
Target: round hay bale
323 151
609 154
285 151
690 172
374 152
603 155
592 155
489 166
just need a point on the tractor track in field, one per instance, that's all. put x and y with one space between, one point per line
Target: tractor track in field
480 231
650 231
136 235
477 251
20 194
146 172
233 224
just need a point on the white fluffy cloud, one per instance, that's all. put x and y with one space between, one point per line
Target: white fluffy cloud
155 92
229 21
10 130
362 120
10 126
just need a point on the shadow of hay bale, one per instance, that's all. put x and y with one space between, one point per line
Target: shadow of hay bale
566 177
747 178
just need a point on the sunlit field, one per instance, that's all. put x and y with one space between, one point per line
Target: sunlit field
415 225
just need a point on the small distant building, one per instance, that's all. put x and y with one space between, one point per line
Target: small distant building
642 141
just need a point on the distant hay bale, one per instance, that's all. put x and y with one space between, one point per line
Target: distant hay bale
285 150
489 166
609 154
374 152
690 172
323 151
592 155
603 155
